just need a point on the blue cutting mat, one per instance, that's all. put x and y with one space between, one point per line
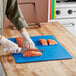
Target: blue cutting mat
51 52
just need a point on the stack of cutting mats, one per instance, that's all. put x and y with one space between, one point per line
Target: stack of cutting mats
52 9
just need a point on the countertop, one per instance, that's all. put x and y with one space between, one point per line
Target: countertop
45 68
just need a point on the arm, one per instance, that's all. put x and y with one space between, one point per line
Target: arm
14 14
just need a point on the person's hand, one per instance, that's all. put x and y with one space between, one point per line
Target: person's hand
9 46
27 42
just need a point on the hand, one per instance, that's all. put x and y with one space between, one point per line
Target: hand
9 46
27 41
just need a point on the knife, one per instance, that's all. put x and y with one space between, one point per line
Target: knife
27 49
2 53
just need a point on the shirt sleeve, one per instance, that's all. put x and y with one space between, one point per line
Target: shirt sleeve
14 14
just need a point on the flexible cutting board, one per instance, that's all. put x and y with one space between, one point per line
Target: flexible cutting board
50 9
51 52
53 9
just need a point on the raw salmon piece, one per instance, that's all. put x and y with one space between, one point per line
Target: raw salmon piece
19 41
31 53
51 42
43 41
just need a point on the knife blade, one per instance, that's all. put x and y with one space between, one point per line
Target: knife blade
27 49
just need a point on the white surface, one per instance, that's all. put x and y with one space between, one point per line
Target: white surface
72 29
48 10
66 4
64 8
1 68
64 12
1 71
67 23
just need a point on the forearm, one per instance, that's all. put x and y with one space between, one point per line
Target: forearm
24 33
22 30
15 15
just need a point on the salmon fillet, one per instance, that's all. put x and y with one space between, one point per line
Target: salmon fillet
51 42
19 41
31 53
43 42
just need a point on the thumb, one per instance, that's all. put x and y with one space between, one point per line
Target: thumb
18 50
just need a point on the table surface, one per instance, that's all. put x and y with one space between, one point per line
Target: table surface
46 68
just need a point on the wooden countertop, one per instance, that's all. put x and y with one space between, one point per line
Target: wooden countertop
46 68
